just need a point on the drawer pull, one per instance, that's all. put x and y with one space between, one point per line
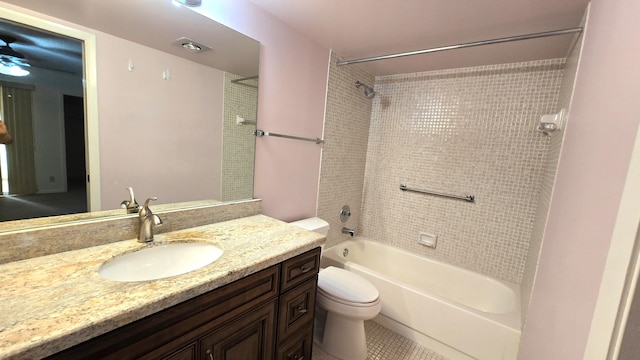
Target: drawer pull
210 355
304 269
302 310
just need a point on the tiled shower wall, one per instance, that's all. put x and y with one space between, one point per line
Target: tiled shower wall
238 141
346 130
460 131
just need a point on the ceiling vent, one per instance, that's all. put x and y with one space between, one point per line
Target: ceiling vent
191 45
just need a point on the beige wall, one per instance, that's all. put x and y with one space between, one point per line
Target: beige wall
594 159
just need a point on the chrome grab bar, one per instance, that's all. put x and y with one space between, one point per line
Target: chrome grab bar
468 198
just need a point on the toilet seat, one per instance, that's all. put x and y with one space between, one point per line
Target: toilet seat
347 288
345 302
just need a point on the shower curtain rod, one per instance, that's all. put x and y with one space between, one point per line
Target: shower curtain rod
240 81
464 45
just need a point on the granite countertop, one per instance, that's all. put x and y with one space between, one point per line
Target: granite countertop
53 302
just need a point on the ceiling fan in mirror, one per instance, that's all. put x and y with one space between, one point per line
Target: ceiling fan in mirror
12 63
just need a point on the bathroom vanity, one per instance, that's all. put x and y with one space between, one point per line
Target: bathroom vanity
256 301
241 320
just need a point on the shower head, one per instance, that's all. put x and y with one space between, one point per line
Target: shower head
368 91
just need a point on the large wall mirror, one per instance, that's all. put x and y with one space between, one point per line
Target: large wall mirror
118 97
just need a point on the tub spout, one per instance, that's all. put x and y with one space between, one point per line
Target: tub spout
349 232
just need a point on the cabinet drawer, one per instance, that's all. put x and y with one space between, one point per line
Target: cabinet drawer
300 268
298 348
297 308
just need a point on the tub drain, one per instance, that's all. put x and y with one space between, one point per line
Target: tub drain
345 252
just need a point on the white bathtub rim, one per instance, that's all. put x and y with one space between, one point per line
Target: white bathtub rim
513 286
510 320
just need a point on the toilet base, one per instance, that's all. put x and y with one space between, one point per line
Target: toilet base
343 338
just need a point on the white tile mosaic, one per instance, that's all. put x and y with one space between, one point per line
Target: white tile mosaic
238 140
460 131
346 131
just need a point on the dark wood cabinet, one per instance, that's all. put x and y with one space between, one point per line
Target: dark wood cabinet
297 306
186 353
249 338
297 347
263 316
297 309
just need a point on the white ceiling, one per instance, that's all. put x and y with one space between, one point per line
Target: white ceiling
364 28
356 28
154 23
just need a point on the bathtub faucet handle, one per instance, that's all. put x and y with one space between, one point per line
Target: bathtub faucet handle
349 232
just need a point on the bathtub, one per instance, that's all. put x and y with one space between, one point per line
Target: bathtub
455 312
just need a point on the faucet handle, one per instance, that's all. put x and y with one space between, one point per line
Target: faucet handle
145 211
131 205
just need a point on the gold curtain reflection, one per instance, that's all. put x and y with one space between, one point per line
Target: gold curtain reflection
17 115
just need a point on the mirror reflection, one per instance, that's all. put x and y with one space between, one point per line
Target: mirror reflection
176 127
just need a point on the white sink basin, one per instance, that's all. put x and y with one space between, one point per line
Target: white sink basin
160 261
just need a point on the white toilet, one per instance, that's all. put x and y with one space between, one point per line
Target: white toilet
344 301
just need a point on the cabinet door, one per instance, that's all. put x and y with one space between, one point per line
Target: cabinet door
250 337
296 348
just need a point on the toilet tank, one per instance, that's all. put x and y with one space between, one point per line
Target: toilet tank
313 224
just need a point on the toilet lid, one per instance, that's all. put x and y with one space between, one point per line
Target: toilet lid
346 285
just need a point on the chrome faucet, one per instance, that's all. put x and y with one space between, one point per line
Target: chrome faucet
349 232
131 205
147 221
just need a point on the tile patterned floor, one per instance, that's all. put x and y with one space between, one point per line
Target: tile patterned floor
384 344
